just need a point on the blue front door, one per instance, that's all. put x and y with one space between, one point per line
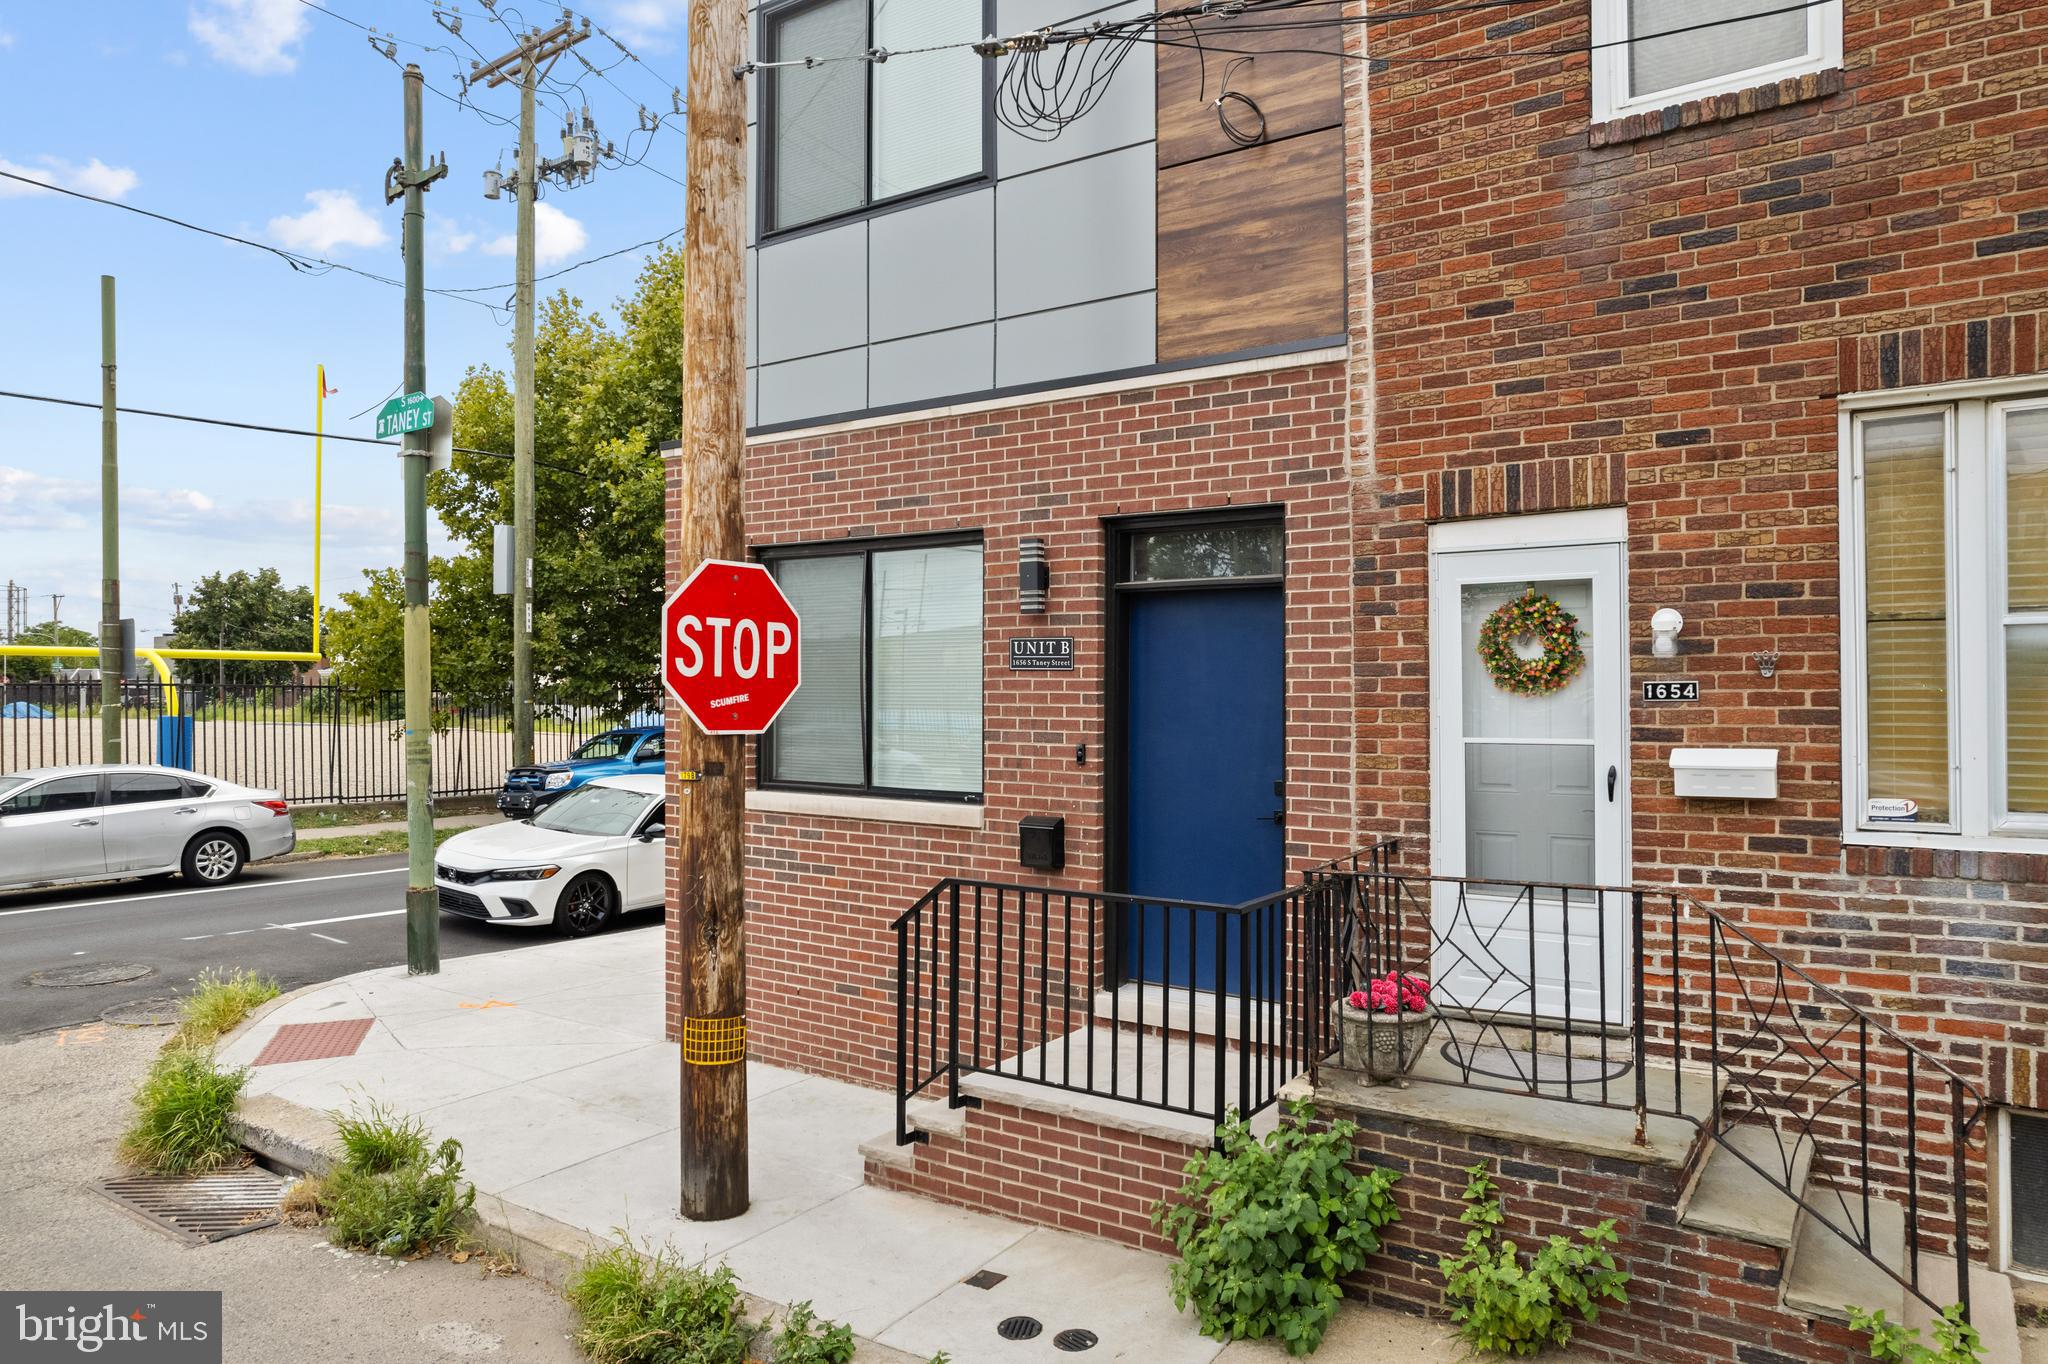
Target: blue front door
1204 765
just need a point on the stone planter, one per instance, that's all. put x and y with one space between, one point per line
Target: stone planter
1384 1046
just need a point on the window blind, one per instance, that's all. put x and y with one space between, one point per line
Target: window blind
2026 593
924 133
819 156
1703 54
925 622
1905 571
817 738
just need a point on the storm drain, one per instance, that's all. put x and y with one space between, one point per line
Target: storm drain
201 1208
91 973
1019 1328
1074 1341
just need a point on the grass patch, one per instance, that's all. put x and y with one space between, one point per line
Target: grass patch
391 1193
223 999
367 845
182 1108
806 1340
640 1309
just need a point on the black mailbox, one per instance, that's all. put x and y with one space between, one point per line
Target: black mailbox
1042 842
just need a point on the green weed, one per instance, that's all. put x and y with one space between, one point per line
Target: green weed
641 1309
223 999
182 1108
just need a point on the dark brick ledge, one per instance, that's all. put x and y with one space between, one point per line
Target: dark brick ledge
1716 108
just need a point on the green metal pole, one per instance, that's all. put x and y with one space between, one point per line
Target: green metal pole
522 422
422 917
112 665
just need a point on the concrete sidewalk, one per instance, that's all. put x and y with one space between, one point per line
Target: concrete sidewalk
548 1064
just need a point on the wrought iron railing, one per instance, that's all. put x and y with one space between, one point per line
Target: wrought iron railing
1001 980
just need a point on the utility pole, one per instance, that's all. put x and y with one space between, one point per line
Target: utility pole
409 178
112 665
705 508
528 63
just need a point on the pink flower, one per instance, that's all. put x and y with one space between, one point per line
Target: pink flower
1392 993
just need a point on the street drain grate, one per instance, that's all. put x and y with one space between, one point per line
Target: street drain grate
145 1013
1019 1328
100 973
313 1041
1074 1341
201 1208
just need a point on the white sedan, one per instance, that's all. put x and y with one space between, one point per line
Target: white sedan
89 823
576 864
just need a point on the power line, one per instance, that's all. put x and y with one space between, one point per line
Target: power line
256 426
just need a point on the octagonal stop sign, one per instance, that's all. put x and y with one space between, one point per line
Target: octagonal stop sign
729 647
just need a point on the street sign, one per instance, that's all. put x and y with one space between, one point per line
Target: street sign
729 647
404 415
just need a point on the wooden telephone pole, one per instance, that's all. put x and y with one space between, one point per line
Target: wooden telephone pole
707 895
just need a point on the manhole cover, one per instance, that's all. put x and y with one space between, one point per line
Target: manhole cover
1075 1341
201 1208
146 1013
1505 1063
106 973
1019 1328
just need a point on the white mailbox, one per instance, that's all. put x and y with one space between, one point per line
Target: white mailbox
1726 773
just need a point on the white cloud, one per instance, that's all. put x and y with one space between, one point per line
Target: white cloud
647 23
6 40
334 220
94 177
556 237
446 238
255 35
31 501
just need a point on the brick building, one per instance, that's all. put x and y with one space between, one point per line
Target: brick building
1615 302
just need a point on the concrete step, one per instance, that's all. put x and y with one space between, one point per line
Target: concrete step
1826 1276
1729 1197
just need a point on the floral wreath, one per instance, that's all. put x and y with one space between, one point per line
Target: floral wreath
1531 616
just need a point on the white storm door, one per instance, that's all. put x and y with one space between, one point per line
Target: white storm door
1530 795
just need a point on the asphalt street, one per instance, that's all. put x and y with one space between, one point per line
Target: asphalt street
297 923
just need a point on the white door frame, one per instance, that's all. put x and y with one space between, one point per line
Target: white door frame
1562 545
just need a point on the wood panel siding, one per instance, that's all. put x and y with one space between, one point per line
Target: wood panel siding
1251 248
1297 92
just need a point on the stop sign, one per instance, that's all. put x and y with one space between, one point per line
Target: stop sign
729 647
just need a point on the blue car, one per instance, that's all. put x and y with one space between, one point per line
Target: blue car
614 753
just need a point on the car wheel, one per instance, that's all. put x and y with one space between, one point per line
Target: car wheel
214 859
587 906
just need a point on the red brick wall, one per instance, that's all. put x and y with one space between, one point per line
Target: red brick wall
822 891
1659 316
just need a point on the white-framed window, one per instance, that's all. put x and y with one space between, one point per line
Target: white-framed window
841 136
892 655
1651 53
2022 1192
1945 619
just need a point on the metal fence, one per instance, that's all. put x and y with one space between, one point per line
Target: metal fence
311 744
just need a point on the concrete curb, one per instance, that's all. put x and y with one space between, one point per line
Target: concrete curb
301 1141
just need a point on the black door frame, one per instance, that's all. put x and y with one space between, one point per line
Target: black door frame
1119 592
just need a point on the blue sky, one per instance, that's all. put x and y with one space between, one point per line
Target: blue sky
274 121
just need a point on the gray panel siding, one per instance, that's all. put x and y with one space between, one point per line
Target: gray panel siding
1124 116
809 388
935 365
814 293
932 267
1091 338
1076 232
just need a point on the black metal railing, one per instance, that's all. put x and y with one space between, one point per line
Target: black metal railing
312 744
1668 1008
1231 1002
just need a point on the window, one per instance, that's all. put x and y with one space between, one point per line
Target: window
140 788
55 797
892 648
2024 1179
843 135
1653 53
1946 615
649 752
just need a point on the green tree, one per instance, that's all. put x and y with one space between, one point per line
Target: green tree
605 397
244 610
41 669
365 635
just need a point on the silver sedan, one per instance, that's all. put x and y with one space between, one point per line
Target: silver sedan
88 823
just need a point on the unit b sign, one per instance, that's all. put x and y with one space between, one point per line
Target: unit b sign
1042 654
